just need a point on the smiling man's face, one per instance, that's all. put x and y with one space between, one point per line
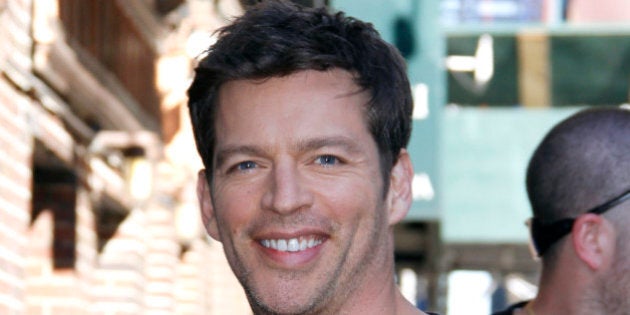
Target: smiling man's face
296 196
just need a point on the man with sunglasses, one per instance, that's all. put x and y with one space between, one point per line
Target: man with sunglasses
578 183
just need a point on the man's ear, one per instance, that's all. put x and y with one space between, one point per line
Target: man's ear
205 204
593 240
399 194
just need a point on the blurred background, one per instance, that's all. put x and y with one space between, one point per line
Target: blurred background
98 213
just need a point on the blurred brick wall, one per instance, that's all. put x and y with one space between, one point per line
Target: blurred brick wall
65 249
15 157
15 177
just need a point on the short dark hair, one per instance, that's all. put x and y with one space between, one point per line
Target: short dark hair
582 162
277 38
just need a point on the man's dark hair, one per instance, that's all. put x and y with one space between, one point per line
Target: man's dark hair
278 38
582 162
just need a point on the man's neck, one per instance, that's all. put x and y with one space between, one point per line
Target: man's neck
566 295
404 307
379 295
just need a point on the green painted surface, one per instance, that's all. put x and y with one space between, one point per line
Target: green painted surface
588 66
590 69
484 159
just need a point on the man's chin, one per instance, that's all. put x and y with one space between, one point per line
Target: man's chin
260 307
274 303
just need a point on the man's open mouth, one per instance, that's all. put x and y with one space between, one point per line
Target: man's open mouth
292 244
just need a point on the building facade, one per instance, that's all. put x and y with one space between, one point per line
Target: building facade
98 213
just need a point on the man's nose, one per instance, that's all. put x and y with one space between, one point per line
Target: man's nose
287 191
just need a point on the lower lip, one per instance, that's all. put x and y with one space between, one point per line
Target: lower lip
291 259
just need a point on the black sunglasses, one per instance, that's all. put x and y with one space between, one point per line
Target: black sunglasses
545 234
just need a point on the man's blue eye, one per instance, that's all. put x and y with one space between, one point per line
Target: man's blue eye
327 160
247 165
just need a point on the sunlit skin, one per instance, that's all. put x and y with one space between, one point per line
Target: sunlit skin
294 163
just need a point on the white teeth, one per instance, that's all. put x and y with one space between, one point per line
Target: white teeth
303 244
291 245
294 245
282 245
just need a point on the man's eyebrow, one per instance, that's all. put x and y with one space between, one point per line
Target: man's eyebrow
224 153
336 141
